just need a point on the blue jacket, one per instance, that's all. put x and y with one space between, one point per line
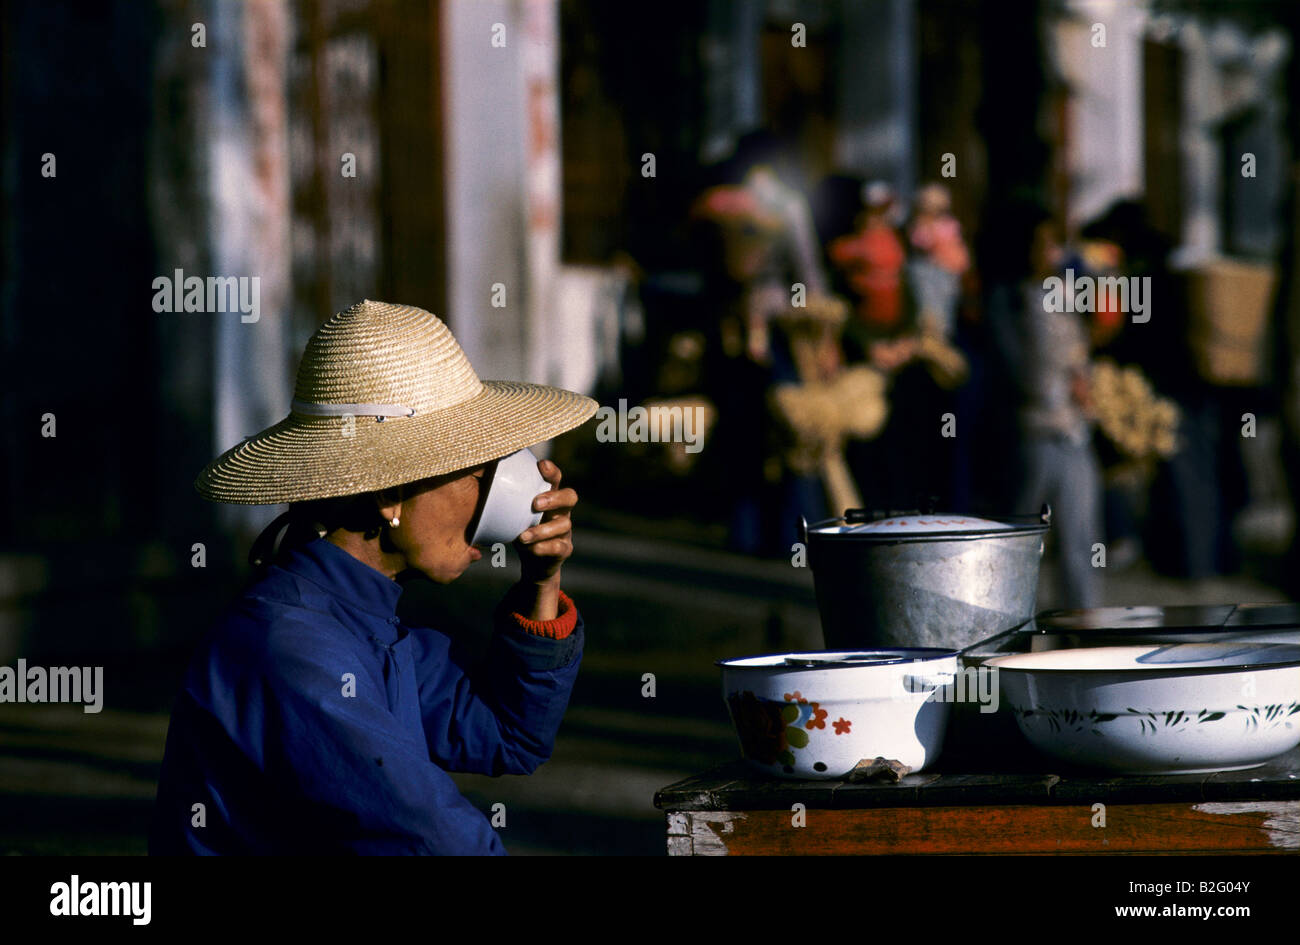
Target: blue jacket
313 721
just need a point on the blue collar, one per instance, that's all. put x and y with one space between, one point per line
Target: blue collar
358 584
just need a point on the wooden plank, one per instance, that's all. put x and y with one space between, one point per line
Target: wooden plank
734 786
1279 780
711 831
680 846
715 790
1270 826
1278 820
978 789
778 794
901 794
706 791
1133 789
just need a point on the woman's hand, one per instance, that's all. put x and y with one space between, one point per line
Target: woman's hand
544 547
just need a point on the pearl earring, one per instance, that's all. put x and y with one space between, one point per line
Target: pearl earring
395 522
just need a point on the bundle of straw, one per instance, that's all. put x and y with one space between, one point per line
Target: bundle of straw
1139 423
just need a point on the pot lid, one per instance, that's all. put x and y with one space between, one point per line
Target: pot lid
901 525
937 522
925 525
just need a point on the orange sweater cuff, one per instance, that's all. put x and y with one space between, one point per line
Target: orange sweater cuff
558 628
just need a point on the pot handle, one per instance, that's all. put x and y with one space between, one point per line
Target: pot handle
858 516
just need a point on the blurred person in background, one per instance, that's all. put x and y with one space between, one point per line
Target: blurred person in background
774 180
1189 511
939 259
1100 259
872 260
901 326
1047 355
733 238
937 262
880 332
755 240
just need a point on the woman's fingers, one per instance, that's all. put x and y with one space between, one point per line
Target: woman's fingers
550 472
556 501
551 529
545 546
554 548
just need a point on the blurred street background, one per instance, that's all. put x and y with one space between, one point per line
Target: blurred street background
814 229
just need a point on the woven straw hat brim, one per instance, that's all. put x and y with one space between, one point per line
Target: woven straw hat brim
303 458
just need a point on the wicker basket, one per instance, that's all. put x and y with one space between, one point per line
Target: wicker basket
1230 305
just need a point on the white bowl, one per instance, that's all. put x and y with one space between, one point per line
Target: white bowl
508 509
817 714
1181 708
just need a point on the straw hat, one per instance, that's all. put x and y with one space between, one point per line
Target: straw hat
386 396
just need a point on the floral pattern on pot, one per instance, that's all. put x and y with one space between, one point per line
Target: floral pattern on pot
771 732
1151 721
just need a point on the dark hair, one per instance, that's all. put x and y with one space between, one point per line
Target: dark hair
307 521
356 513
754 148
1128 225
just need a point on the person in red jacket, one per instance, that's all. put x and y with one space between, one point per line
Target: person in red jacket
872 259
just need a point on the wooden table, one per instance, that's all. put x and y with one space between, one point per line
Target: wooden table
730 809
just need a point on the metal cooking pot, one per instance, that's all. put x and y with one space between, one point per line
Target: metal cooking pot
934 580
